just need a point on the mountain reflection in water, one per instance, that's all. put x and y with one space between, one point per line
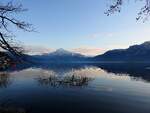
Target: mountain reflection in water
135 70
76 88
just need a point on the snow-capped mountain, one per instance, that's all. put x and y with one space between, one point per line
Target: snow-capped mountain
60 55
61 52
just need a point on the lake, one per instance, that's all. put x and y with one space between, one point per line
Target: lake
76 88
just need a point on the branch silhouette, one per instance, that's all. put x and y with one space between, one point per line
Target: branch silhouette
8 20
143 14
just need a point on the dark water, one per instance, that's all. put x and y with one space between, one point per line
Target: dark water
77 88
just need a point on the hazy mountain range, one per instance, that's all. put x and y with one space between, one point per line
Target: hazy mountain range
133 53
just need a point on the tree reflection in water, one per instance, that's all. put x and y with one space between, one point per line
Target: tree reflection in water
68 80
4 80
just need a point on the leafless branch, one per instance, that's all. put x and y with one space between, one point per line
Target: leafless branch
7 20
143 14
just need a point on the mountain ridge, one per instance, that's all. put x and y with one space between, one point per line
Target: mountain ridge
60 55
63 52
139 52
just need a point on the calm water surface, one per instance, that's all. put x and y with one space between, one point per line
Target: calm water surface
76 89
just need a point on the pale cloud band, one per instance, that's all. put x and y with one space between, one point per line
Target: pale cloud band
89 51
38 50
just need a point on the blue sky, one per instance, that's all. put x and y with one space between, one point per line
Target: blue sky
81 25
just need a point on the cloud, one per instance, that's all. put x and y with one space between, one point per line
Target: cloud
37 50
100 35
89 51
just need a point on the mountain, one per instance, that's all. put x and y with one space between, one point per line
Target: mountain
133 53
60 55
139 52
63 53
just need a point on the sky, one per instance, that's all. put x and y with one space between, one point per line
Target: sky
81 26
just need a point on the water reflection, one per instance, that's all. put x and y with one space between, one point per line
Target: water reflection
72 80
4 80
76 88
135 71
76 74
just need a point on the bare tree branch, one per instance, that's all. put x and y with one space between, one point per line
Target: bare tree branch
143 14
7 20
